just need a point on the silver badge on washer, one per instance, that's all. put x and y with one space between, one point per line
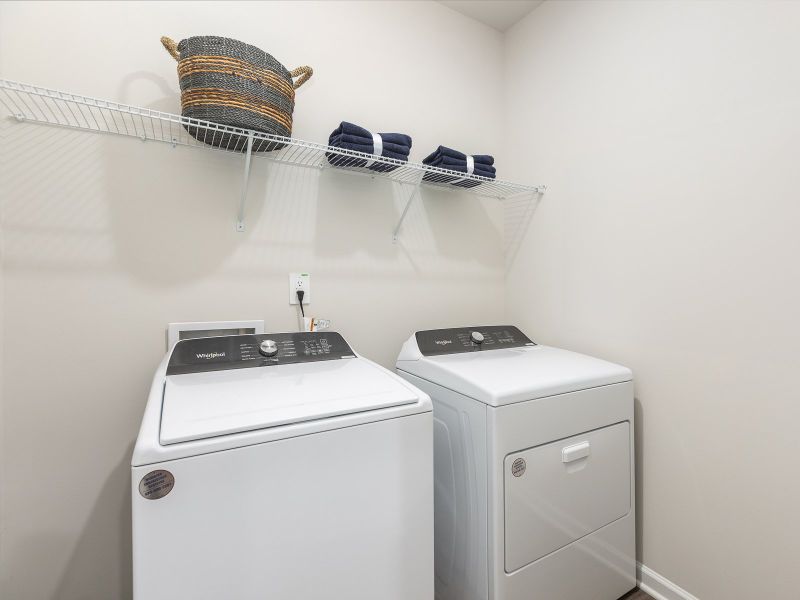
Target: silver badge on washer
518 467
156 484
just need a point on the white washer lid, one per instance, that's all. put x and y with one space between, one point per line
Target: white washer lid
203 405
499 377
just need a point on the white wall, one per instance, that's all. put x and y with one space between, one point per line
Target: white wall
667 133
106 240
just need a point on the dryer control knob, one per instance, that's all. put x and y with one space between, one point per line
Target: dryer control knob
268 348
476 337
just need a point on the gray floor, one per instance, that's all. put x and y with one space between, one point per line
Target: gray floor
637 595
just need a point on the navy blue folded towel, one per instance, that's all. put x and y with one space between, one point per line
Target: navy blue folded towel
447 162
444 151
352 137
368 146
346 128
488 172
453 160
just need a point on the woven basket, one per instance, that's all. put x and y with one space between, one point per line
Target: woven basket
232 83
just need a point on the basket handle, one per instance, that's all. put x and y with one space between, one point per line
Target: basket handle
171 47
304 73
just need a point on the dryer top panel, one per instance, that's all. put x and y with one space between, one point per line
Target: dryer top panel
436 342
510 374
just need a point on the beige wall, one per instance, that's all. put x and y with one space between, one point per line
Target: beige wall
106 240
667 133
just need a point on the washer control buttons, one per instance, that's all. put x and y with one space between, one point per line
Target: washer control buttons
268 348
476 337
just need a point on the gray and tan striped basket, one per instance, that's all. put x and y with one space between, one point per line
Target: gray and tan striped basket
235 84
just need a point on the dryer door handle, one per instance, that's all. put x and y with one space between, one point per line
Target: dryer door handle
575 452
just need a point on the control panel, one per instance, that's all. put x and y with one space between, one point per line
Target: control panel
435 342
243 351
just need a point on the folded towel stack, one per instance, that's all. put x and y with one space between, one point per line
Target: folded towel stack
352 137
453 160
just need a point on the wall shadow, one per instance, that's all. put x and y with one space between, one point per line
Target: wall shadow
638 419
110 568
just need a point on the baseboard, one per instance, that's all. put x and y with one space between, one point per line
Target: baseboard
659 587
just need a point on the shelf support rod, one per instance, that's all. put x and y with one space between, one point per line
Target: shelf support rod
245 181
414 192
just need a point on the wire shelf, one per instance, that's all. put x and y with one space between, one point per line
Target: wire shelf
31 103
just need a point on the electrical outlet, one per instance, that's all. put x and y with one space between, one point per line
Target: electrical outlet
298 282
315 324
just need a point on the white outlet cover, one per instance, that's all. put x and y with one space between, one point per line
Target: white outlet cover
299 281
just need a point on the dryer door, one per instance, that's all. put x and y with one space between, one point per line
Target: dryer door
559 492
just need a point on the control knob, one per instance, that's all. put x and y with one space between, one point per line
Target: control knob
476 337
268 348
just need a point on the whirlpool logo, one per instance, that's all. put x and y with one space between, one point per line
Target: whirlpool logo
210 355
444 342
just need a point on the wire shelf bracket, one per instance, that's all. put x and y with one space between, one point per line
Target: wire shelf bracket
29 103
411 196
246 180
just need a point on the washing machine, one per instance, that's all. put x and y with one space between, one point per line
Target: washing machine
533 466
282 466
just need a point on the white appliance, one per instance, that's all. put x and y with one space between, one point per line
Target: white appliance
533 466
282 466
